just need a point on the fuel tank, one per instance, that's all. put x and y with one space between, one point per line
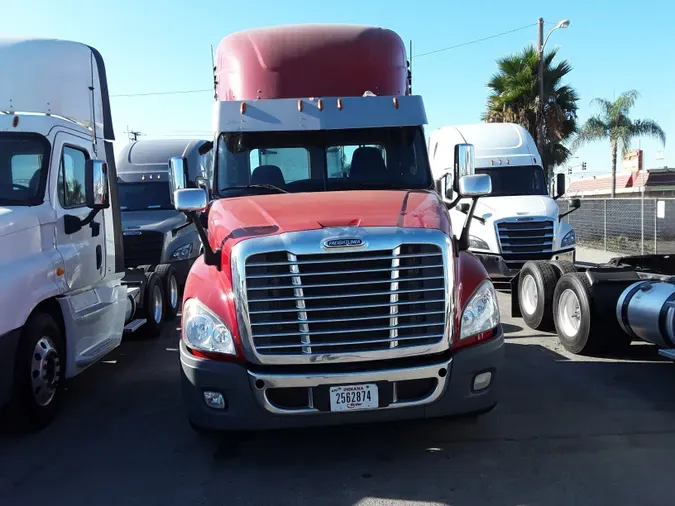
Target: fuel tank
646 310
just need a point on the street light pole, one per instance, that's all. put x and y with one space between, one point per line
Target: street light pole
540 74
541 44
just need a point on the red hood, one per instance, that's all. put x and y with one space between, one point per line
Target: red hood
232 220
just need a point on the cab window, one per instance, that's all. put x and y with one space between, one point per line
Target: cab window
71 178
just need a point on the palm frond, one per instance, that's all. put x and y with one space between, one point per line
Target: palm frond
649 128
625 102
592 130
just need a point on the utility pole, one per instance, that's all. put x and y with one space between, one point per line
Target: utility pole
540 73
133 135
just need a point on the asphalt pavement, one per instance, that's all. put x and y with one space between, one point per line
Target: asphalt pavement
569 430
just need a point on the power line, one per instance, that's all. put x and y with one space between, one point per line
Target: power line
175 92
209 90
475 41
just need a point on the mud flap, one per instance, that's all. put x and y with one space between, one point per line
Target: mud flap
515 307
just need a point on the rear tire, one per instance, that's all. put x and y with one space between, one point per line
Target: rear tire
563 267
573 316
39 372
171 291
536 286
153 307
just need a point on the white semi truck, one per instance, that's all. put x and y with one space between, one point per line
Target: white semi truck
65 295
519 221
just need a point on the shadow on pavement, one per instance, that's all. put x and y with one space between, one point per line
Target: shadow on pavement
565 431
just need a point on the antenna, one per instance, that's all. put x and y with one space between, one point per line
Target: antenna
93 106
410 62
213 71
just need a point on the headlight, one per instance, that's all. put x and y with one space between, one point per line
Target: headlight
481 313
570 239
476 243
182 252
204 331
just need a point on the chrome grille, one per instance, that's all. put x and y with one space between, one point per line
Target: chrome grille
334 303
519 239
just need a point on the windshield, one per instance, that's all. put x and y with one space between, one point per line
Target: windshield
511 181
323 160
142 196
23 169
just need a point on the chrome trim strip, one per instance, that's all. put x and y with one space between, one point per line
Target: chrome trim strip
389 375
309 242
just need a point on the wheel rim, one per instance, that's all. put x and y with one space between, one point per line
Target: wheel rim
45 371
173 292
158 305
529 297
569 313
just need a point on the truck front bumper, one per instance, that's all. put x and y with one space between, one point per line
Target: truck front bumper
256 399
8 343
498 267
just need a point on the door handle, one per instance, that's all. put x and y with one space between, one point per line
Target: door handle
99 257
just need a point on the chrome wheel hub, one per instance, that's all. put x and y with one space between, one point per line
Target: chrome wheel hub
529 298
158 304
173 292
569 313
45 371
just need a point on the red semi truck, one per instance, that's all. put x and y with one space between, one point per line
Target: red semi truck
331 289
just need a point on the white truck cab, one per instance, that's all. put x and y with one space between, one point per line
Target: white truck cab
519 221
63 303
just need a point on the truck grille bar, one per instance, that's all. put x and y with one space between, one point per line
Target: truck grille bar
346 302
518 238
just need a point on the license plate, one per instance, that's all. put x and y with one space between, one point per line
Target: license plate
353 397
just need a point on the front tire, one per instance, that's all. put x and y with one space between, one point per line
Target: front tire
39 372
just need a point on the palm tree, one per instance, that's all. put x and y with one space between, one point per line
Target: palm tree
514 98
614 124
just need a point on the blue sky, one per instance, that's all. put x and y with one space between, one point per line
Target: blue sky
153 45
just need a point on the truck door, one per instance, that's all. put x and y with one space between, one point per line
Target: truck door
90 307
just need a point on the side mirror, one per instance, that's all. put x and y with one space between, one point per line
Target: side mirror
476 185
96 184
189 200
464 165
560 185
178 168
574 203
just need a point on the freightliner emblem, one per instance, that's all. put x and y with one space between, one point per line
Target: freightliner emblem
132 232
343 243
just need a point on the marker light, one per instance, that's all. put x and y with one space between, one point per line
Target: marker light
242 108
300 105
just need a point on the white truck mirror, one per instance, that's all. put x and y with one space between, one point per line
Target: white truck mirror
178 168
464 164
475 185
190 200
96 184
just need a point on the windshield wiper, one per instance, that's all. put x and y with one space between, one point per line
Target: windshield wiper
256 186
